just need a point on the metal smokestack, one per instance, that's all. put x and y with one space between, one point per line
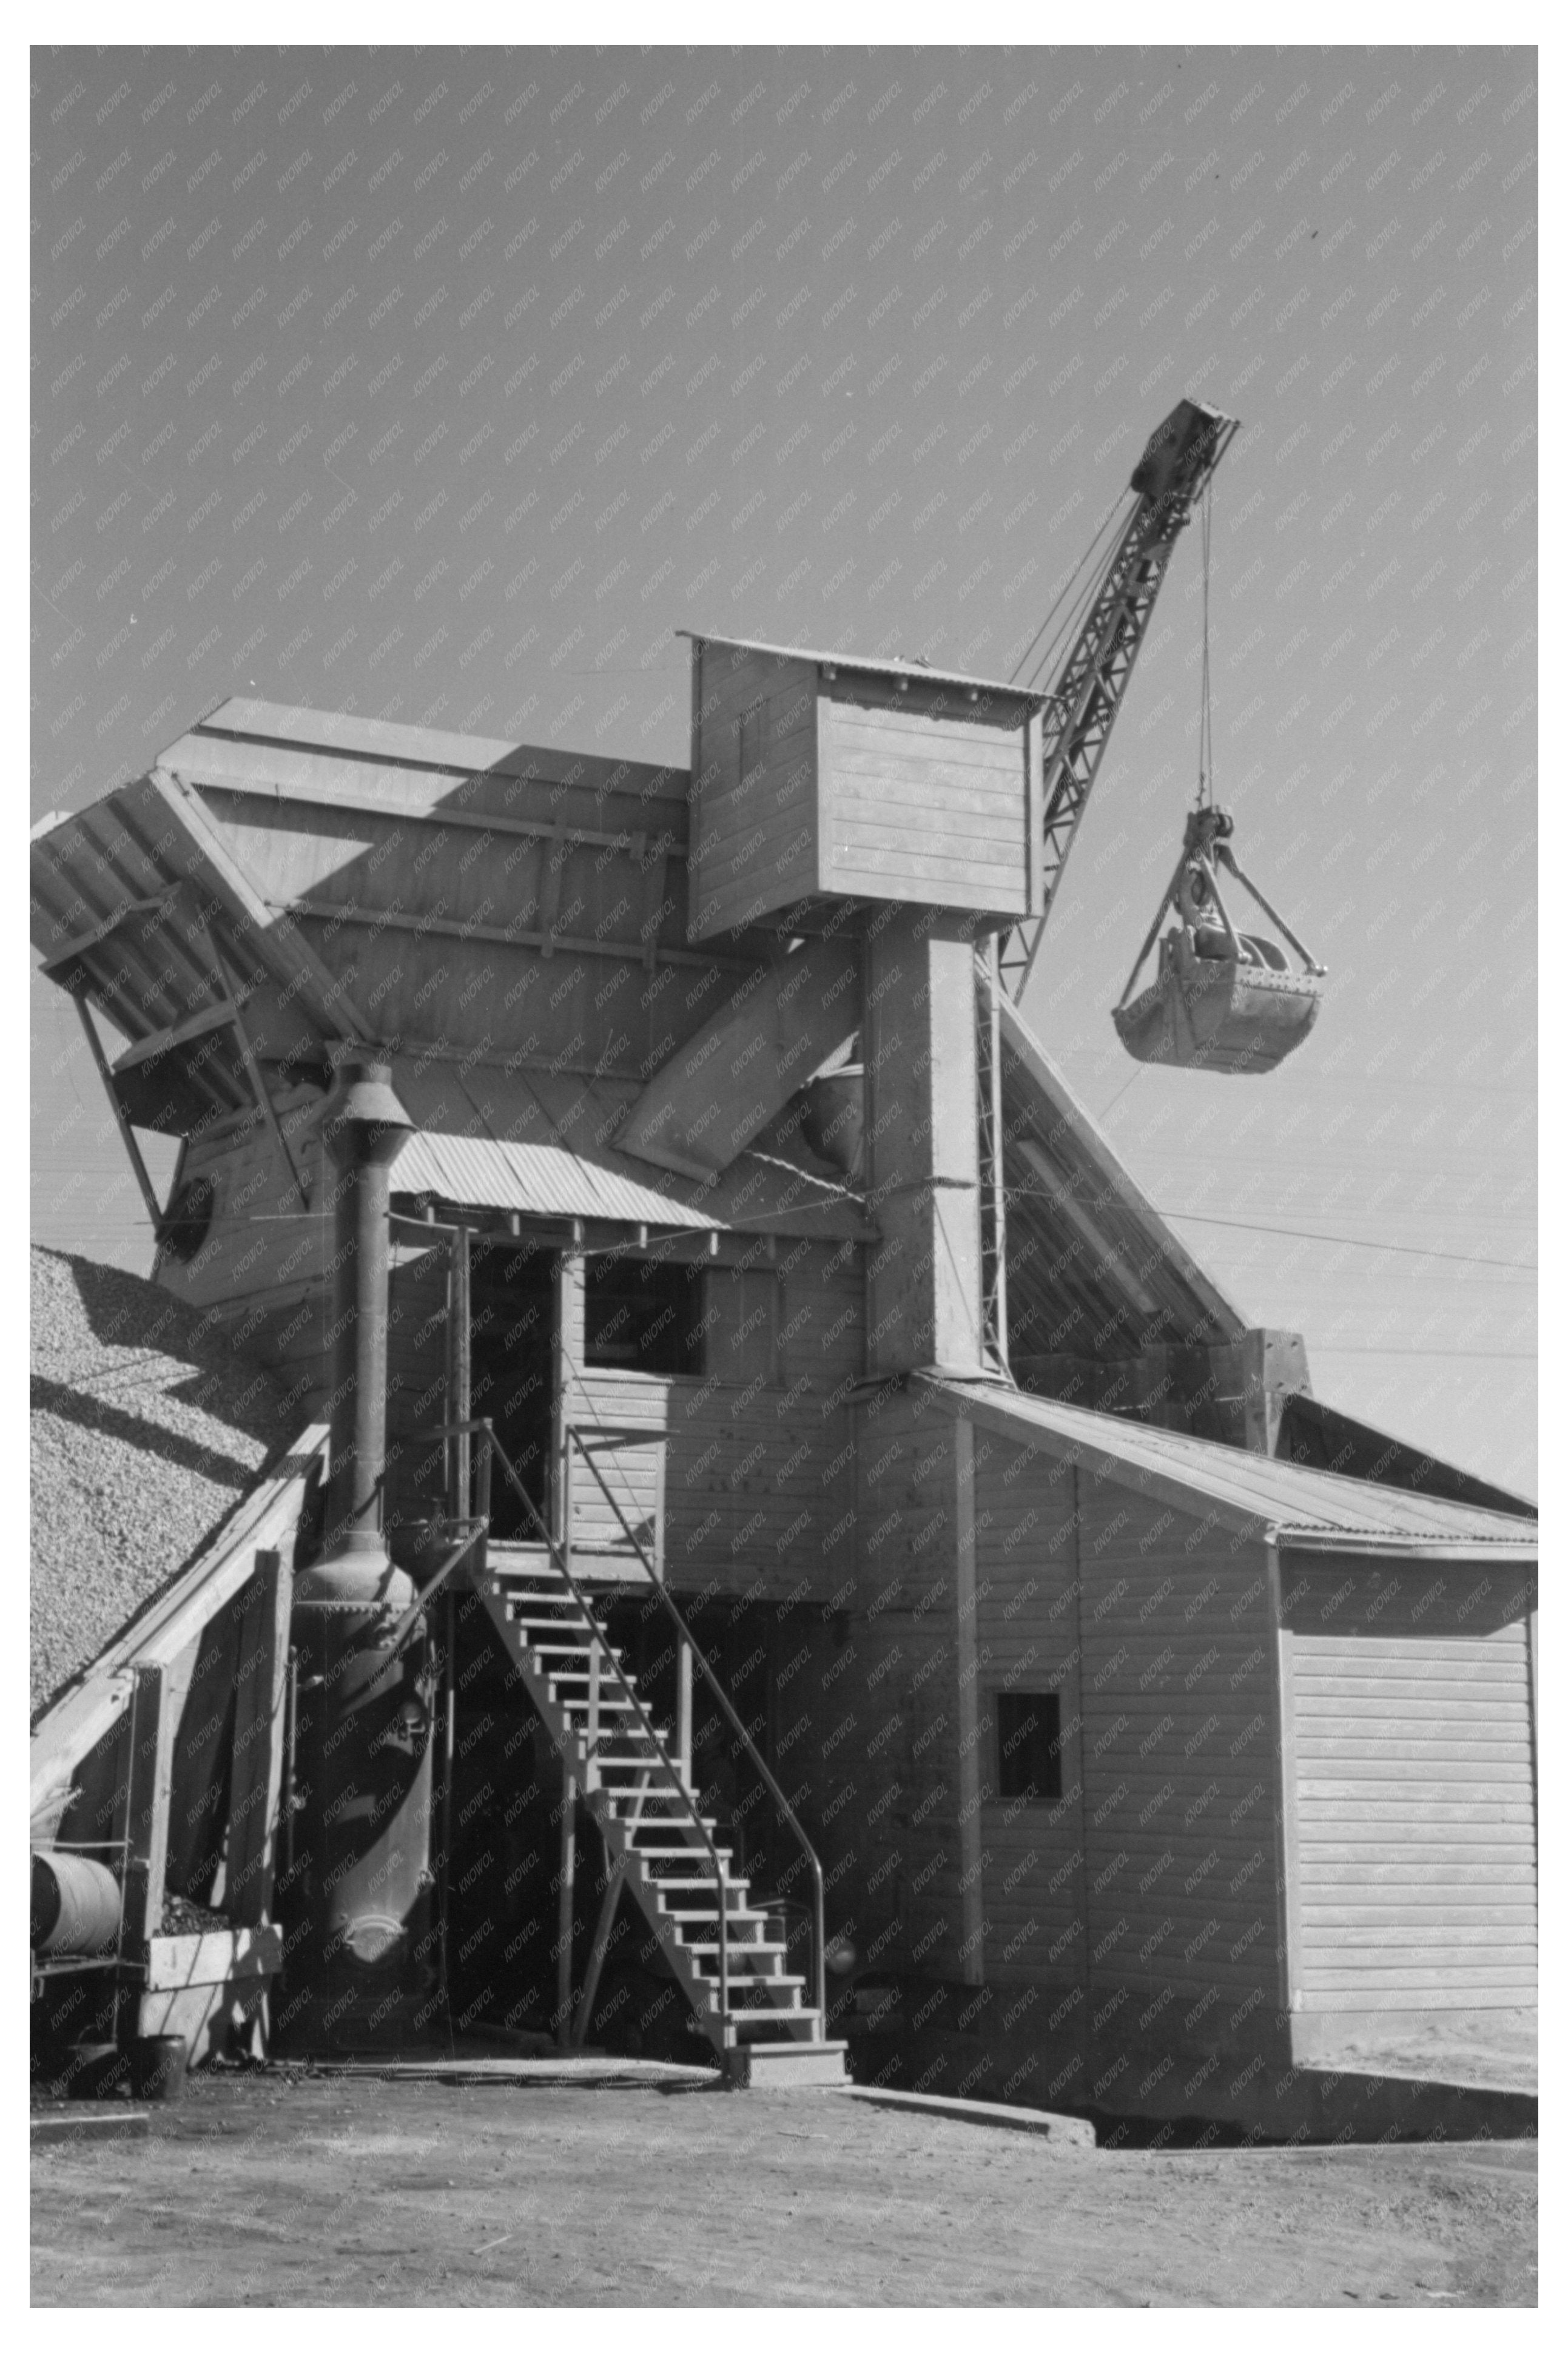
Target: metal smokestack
362 1128
363 1752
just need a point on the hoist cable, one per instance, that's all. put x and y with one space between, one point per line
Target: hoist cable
1085 558
1206 707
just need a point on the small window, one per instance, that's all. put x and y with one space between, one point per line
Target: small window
1029 1746
643 1316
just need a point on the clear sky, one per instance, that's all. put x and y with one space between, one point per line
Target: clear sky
447 386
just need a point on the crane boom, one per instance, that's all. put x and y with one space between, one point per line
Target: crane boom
1168 479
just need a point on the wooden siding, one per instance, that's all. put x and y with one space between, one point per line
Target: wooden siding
754 1501
1027 1640
1413 1807
922 808
890 1726
1154 1878
808 783
444 898
1181 1766
753 816
756 1474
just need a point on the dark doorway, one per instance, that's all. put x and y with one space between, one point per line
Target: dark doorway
511 1357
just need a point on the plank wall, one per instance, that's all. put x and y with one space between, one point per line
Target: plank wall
920 807
754 814
871 1723
549 897
1178 1622
1411 1781
1154 1879
1028 1639
755 1476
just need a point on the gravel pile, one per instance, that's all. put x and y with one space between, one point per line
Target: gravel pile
146 1430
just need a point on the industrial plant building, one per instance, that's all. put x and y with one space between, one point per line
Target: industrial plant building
775 1540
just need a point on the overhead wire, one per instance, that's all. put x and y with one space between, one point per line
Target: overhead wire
1353 1241
1085 558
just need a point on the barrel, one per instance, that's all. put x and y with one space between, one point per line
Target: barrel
74 1904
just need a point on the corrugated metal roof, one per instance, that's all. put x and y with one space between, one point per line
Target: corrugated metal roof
541 1142
542 1178
1314 1509
522 1139
878 666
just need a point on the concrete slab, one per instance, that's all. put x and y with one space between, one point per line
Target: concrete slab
787 2066
1064 2132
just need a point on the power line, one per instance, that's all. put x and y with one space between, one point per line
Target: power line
1353 1241
1357 1348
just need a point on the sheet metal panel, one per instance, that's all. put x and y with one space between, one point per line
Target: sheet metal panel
1290 1504
544 1179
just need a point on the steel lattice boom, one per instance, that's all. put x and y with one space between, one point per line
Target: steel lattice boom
1169 478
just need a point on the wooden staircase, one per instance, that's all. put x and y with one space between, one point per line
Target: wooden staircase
662 1849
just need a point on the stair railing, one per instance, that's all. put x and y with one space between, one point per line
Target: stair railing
492 1445
786 1812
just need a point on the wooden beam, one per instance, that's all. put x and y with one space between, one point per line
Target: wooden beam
1108 1259
281 946
597 1957
380 919
1060 1111
341 797
248 1054
970 1864
255 1777
780 1025
127 1134
149 1781
567 1889
73 1728
460 1372
152 1048
103 930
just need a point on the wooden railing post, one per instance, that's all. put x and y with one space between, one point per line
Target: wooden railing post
564 1915
460 1374
591 1780
683 1705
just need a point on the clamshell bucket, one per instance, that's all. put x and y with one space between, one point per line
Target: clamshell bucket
1220 999
1219 1013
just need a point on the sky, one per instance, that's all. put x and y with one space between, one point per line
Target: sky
447 386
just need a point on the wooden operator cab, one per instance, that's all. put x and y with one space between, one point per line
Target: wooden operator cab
818 779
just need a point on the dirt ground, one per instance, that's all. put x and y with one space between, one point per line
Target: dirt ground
264 2191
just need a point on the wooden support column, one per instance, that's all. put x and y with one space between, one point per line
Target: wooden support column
460 1373
597 1957
971 1874
920 1049
564 1915
255 1783
224 982
148 1781
683 1705
569 1345
127 1136
593 1780
991 1013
